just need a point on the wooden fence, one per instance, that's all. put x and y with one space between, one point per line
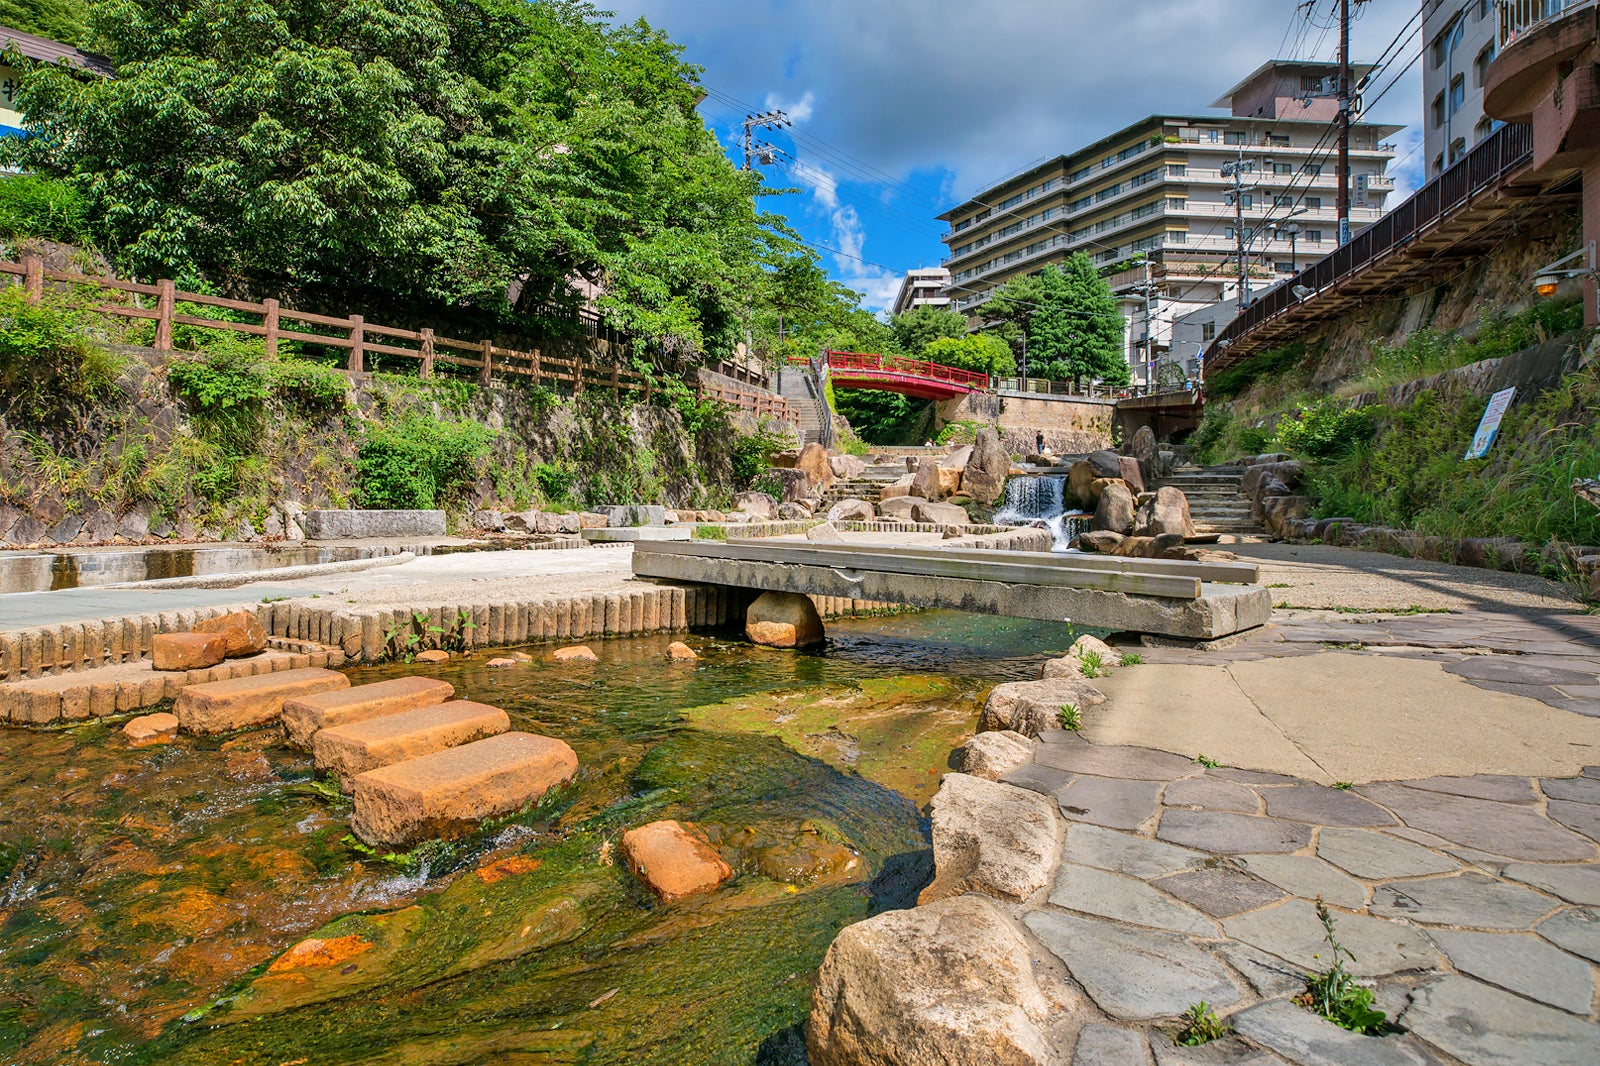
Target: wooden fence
359 338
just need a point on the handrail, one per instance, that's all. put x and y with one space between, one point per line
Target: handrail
903 365
1504 151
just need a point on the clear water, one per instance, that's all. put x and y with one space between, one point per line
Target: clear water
143 887
1041 501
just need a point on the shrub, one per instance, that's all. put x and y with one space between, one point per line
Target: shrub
751 455
1222 384
1326 429
51 367
555 482
419 462
41 207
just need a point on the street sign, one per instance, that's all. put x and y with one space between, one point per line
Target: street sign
1490 424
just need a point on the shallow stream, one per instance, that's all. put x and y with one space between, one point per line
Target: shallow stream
155 903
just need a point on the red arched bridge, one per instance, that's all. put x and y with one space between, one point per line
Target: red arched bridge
910 377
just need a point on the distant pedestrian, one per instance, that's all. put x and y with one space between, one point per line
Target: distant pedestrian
1039 440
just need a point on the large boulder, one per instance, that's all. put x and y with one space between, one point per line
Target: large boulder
1115 510
851 510
993 754
813 461
1278 511
522 521
897 488
957 459
984 478
488 521
793 485
1027 707
756 504
242 630
1098 485
847 467
946 983
792 512
673 859
1105 463
1099 540
899 506
824 534
783 620
992 838
1167 511
1080 481
1288 473
940 514
1149 547
1131 473
926 482
1142 447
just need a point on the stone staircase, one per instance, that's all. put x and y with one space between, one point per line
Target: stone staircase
417 763
1214 500
869 486
800 389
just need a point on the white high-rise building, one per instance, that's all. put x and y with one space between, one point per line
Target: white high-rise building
1458 44
922 287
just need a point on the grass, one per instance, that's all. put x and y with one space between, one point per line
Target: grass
1130 658
1070 718
1207 761
1344 786
1334 993
710 533
1200 1026
1094 664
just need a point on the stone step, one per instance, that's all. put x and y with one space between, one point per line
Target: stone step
448 792
304 715
359 746
241 702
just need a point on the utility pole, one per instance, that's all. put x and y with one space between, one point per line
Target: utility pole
1346 105
773 119
1236 170
1147 289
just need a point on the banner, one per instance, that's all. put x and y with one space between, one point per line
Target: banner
1490 424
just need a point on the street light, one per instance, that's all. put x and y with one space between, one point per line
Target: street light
1551 275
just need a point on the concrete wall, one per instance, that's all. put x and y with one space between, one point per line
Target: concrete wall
1070 425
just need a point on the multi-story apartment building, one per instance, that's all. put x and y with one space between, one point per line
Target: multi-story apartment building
1458 46
1155 190
922 287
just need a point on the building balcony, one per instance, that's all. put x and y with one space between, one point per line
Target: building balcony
1545 75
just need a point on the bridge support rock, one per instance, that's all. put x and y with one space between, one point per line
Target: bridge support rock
783 620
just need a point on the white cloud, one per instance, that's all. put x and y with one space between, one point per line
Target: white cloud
877 285
799 111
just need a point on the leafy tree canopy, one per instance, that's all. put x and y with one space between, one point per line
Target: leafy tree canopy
59 20
1069 319
474 160
981 352
917 327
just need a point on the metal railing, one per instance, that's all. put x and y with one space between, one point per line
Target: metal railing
1519 16
1507 149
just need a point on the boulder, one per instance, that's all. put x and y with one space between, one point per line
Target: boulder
1098 485
488 521
1165 511
793 485
1289 473
241 629
899 506
813 462
1080 480
957 458
1277 511
638 514
1268 488
1131 473
187 651
1105 463
939 514
949 481
847 467
1148 547
1491 553
824 534
1093 645
156 728
783 620
521 521
758 504
792 512
673 859
1099 540
989 755
571 522
1142 447
992 838
785 459
851 510
592 520
984 478
678 651
1067 666
1166 462
896 489
1114 512
1027 707
548 522
576 653
926 482
432 655
951 982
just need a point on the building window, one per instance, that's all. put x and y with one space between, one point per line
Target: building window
1080 203
1483 10
1438 164
1208 331
1436 112
1177 236
1081 173
1480 66
1283 168
1310 83
1484 127
1458 148
1447 40
1283 201
1177 170
1234 137
1278 140
1311 236
1228 233
1177 203
1313 202
1458 92
1312 169
1213 135
1246 200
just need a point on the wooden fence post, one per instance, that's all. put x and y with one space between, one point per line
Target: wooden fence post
427 353
534 357
358 352
33 278
269 322
164 306
484 365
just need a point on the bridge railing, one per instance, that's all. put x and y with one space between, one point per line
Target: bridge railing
898 364
1497 155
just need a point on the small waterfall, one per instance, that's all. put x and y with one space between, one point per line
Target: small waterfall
1041 501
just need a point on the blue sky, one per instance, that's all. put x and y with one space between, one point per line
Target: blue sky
902 108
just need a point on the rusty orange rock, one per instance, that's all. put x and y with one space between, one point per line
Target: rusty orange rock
243 631
510 866
433 655
315 952
681 651
187 651
673 859
151 729
576 653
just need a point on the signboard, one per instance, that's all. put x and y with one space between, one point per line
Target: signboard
1490 425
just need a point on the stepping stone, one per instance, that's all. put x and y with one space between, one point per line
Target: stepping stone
1489 668
1576 929
1469 899
448 792
1311 1040
187 651
1140 764
1292 932
1225 833
304 715
1577 789
1575 884
1579 817
1483 786
355 748
1488 1027
1124 899
1379 857
1324 806
1041 779
1219 891
1109 802
1498 828
150 729
1308 878
241 702
1209 793
1123 853
1267 974
1106 1045
1251 777
1134 975
1523 964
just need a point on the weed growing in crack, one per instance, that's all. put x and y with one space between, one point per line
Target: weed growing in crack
1335 994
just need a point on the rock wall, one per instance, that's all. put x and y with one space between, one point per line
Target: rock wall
1070 426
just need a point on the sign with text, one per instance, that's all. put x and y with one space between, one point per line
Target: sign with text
1483 440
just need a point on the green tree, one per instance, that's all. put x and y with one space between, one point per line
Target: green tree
981 352
1069 321
915 329
474 163
59 20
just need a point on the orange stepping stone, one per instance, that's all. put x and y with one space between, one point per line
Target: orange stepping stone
187 651
355 748
241 702
304 715
448 792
